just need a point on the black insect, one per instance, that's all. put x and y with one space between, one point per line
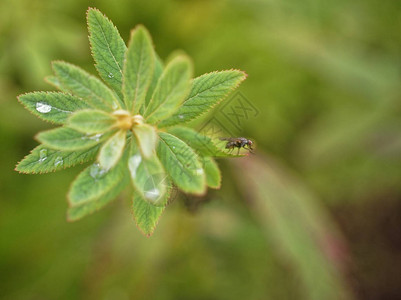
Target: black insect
239 143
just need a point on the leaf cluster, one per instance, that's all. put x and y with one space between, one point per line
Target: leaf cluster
130 124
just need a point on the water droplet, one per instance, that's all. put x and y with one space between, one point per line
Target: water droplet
115 105
59 161
173 147
152 194
96 171
42 155
181 116
110 75
95 137
199 171
134 163
43 107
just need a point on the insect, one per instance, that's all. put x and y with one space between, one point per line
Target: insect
239 143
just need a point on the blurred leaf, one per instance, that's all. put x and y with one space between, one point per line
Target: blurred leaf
112 150
95 187
207 91
138 69
212 171
170 91
51 106
181 163
157 72
91 121
146 136
108 49
88 87
44 160
55 82
299 226
146 215
147 176
67 139
203 144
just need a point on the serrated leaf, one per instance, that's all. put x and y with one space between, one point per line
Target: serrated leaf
112 150
212 171
68 139
95 187
202 144
54 81
138 69
171 90
207 91
146 136
157 72
91 121
146 215
147 176
77 212
82 84
53 107
108 49
43 159
181 163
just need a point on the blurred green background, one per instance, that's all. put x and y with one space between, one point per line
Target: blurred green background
315 214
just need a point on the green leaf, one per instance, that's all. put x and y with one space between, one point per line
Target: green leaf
146 136
67 139
54 107
146 215
202 144
54 81
91 121
171 90
85 86
213 175
207 91
157 72
138 68
182 164
147 176
43 159
95 187
108 49
112 150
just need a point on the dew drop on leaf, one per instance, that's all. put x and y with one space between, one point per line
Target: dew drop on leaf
95 137
110 75
96 172
42 155
181 116
59 161
152 194
43 107
134 163
199 171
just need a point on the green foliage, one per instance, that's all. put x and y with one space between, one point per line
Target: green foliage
212 171
52 107
207 91
118 126
138 69
91 121
67 139
108 49
148 177
80 83
146 215
170 90
182 164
